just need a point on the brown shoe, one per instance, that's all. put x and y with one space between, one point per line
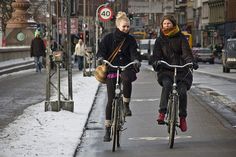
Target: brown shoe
107 137
127 109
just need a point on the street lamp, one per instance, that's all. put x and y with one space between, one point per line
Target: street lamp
97 22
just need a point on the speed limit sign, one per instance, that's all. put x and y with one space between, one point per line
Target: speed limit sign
105 14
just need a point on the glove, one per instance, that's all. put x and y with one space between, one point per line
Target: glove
156 65
195 65
100 60
137 65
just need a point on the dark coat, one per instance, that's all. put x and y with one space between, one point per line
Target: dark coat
174 50
37 48
127 54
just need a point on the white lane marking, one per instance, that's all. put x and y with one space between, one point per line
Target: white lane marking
139 100
158 138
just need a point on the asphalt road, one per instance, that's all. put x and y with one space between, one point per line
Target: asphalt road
209 134
18 91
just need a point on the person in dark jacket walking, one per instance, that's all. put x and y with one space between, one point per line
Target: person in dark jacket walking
172 47
127 53
37 50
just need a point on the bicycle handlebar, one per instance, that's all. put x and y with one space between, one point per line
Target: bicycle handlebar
175 66
116 67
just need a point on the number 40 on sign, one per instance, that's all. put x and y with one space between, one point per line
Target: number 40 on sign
105 14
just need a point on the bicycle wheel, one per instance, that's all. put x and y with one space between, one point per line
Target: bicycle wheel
118 127
114 125
120 119
169 107
172 123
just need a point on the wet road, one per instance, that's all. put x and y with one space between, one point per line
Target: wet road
209 134
18 91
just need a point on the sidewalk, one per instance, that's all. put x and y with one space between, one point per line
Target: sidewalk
15 65
217 71
50 134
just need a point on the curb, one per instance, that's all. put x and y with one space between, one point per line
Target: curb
215 75
16 67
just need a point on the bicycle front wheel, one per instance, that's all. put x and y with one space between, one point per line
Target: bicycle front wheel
173 120
115 125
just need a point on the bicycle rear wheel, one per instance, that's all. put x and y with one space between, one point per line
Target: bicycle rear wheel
172 122
115 125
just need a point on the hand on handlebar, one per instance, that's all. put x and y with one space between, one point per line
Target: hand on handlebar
100 60
195 65
156 65
137 65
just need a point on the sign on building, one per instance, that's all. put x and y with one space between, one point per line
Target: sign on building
62 25
151 7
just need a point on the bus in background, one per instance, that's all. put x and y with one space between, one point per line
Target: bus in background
189 38
138 35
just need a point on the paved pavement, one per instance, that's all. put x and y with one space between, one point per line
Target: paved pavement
15 65
216 70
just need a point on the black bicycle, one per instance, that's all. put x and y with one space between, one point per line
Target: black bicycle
173 102
118 115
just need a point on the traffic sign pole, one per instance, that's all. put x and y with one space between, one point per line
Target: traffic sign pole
96 23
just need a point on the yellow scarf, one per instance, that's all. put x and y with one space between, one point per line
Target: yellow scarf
171 32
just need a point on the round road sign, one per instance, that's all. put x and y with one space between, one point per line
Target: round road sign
105 13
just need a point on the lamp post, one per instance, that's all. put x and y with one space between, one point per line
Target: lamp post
97 22
84 21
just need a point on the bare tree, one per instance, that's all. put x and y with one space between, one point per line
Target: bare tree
5 12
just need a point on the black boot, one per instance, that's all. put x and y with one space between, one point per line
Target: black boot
127 109
107 137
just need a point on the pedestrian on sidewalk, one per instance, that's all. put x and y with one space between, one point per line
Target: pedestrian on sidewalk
79 54
37 50
126 54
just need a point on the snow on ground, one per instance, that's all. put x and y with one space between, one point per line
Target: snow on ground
50 134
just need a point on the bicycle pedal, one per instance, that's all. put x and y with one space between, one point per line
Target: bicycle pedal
123 129
166 123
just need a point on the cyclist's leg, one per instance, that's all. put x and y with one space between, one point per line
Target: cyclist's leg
182 90
127 90
111 94
166 89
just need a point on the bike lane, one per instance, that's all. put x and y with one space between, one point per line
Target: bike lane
208 133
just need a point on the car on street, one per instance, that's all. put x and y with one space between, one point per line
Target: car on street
202 54
146 47
229 55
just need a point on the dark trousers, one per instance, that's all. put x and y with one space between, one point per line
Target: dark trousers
111 86
80 60
166 89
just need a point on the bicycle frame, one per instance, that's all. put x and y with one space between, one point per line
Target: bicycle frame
118 116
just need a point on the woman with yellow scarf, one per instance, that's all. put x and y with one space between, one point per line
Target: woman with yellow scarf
172 47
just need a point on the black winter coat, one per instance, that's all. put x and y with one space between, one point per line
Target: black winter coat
37 48
127 54
174 50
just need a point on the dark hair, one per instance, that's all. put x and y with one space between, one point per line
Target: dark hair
168 17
